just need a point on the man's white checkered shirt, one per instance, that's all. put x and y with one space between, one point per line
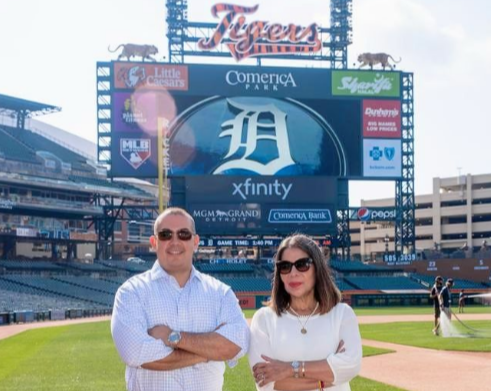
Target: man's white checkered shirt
155 298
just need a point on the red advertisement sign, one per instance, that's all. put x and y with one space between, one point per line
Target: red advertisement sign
247 301
382 118
130 75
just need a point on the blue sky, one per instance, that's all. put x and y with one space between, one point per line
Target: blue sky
50 49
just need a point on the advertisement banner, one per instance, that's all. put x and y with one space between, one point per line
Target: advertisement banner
225 217
84 236
133 155
264 189
27 232
366 83
382 158
225 80
382 118
133 112
133 75
372 214
305 216
247 301
272 219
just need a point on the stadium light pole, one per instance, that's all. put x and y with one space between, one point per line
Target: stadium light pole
162 170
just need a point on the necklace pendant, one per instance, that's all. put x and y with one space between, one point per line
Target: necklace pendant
303 331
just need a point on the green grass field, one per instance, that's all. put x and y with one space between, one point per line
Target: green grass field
82 356
419 334
477 309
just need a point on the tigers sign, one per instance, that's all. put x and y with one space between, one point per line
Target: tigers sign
258 38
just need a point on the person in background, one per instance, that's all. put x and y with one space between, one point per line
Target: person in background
446 298
173 326
434 294
305 338
461 301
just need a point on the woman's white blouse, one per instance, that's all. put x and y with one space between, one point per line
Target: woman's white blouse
280 338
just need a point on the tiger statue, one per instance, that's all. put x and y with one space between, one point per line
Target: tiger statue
131 49
372 59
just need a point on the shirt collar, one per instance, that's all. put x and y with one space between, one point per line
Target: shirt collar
158 272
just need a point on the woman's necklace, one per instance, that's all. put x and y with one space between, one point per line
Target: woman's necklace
303 330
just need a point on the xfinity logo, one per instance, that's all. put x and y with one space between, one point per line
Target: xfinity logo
248 188
260 81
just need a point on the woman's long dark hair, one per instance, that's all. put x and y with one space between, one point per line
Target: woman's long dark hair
325 290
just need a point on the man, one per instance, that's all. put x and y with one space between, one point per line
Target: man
172 325
446 298
461 301
434 293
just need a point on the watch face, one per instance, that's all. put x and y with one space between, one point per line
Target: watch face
295 364
174 337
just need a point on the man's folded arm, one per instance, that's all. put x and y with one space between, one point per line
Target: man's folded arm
235 327
129 331
229 341
176 360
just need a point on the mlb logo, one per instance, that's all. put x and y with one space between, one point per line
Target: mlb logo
135 150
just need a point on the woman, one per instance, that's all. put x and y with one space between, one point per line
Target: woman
305 339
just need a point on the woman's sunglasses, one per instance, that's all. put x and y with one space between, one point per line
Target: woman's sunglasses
166 234
302 265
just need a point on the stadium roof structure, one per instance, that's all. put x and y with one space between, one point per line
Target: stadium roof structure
24 108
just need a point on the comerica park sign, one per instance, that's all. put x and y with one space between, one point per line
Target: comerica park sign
247 38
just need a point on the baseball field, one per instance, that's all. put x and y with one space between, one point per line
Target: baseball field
82 356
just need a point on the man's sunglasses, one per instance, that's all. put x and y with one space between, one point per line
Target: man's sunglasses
302 265
166 234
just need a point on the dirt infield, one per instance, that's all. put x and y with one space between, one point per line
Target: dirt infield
417 369
10 330
409 368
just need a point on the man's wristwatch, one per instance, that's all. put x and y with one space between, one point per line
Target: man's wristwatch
296 367
174 338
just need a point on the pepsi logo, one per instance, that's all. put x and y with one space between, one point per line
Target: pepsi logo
363 214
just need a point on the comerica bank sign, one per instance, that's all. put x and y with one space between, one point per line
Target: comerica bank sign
319 216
